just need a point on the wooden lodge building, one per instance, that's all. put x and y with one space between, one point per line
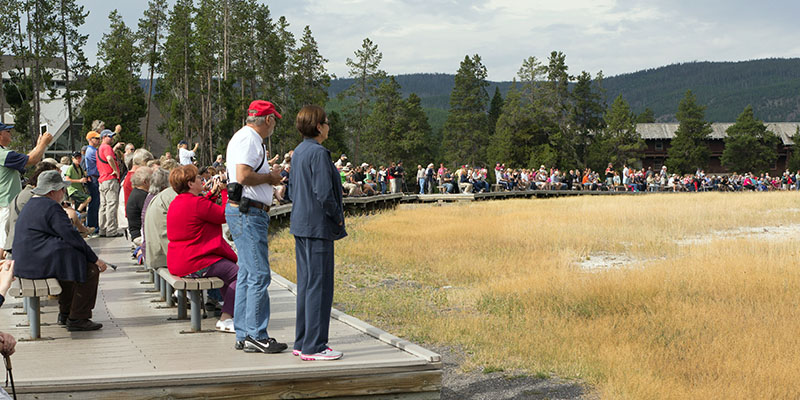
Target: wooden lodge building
658 136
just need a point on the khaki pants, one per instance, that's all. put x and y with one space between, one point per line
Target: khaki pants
109 201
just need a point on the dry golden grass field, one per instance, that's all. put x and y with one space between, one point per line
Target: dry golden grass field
701 299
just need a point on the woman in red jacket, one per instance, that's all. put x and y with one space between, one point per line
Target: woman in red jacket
196 246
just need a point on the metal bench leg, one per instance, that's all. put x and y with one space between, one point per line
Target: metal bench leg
170 301
196 306
156 280
163 289
34 317
182 304
25 306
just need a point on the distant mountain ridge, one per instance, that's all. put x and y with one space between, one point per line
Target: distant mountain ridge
771 86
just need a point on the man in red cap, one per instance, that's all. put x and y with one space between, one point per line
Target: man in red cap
247 213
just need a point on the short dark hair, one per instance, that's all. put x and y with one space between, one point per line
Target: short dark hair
308 118
180 177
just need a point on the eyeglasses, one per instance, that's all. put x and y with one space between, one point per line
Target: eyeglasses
327 123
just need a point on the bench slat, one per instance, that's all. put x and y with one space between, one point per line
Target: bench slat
40 287
28 290
216 283
16 289
203 283
53 286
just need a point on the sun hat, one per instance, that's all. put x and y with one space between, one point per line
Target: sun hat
49 181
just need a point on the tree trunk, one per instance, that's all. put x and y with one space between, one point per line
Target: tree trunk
150 83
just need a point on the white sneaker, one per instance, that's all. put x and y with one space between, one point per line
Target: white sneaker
328 354
226 326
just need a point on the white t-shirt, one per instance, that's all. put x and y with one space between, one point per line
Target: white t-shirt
247 147
185 156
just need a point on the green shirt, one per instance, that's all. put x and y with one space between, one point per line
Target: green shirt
10 181
75 172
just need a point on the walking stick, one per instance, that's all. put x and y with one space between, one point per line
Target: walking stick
9 375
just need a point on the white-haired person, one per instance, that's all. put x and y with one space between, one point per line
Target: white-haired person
42 231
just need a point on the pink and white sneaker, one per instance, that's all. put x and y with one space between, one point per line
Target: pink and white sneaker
295 352
328 354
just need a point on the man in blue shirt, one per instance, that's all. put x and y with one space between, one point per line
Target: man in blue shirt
92 184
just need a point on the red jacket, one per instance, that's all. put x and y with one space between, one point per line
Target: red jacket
194 230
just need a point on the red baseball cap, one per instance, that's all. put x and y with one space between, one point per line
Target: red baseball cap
260 108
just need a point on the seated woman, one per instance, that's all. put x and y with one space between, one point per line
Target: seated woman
133 208
46 245
196 246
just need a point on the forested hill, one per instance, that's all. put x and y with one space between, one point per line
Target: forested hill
771 86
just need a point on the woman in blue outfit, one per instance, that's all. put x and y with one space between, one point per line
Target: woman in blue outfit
317 220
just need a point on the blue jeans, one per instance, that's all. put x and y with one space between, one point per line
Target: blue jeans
251 308
92 218
421 185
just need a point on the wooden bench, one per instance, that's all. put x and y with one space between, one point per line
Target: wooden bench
194 287
496 187
30 290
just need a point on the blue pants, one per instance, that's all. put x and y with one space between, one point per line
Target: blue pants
251 308
314 293
421 185
92 219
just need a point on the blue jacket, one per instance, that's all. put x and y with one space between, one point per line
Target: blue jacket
315 190
91 162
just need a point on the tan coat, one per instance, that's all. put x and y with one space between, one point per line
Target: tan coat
155 229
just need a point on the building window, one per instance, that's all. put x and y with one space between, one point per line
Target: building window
659 145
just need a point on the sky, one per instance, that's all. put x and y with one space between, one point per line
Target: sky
615 36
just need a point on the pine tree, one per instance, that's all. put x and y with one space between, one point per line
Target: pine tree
113 91
310 79
495 108
381 140
416 134
587 112
71 18
646 117
365 70
150 36
207 23
43 44
618 143
466 131
335 142
178 71
749 147
688 150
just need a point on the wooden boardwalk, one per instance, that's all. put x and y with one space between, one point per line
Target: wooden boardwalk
140 353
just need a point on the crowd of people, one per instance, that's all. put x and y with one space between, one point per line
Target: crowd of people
175 212
366 179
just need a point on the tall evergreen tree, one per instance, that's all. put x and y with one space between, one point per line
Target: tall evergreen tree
150 36
749 147
495 108
618 143
71 18
688 150
113 91
42 35
416 140
381 140
587 112
178 71
367 75
466 131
